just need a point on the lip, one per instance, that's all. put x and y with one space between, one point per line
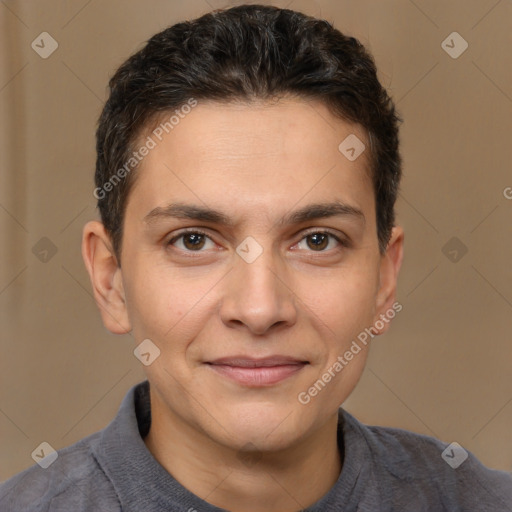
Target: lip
257 372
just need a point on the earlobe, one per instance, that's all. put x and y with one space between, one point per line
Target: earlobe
390 265
106 277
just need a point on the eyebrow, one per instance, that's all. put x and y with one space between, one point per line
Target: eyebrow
307 213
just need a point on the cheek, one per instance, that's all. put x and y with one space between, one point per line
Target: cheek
163 305
344 304
339 316
154 304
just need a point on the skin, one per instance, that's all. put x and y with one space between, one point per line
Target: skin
248 449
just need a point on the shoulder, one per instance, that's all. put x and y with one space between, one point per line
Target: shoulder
73 481
425 464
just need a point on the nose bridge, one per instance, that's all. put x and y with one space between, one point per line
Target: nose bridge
257 295
259 274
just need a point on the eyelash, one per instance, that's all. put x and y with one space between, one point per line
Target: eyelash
341 241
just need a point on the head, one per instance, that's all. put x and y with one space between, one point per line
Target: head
266 134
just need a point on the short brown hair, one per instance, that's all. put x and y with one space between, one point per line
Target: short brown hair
242 53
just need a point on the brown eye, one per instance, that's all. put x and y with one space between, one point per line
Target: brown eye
193 241
319 241
190 241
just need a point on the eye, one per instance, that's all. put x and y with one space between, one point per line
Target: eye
195 240
191 240
318 241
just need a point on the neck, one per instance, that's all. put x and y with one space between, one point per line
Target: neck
287 481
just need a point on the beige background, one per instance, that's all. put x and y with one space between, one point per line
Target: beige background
444 368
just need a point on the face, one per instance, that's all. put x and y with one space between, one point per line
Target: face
250 259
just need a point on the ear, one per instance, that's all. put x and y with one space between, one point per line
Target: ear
106 277
390 264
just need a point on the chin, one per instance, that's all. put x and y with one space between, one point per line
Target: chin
267 426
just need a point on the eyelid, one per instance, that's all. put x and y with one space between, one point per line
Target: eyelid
342 239
335 234
186 231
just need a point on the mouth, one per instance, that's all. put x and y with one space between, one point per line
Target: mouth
253 372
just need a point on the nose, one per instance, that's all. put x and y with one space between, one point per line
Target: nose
257 296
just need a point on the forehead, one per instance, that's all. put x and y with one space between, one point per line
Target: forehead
257 155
